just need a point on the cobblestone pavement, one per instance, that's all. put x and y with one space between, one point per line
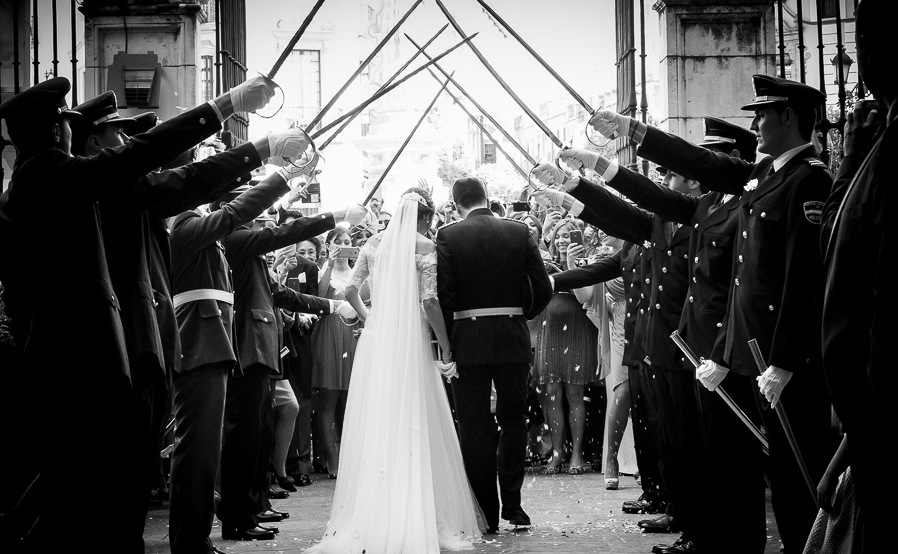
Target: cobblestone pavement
570 514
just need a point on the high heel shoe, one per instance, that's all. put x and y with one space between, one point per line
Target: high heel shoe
285 483
612 484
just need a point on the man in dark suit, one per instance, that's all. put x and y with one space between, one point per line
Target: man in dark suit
777 277
713 219
40 126
859 303
672 404
485 265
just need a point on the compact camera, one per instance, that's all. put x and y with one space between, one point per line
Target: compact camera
580 262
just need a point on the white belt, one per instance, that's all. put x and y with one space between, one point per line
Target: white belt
203 294
482 312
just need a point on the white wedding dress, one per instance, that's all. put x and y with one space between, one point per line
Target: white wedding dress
402 486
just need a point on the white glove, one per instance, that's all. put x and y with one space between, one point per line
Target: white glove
772 382
345 310
551 174
612 124
355 214
252 94
549 197
446 370
711 374
577 158
288 144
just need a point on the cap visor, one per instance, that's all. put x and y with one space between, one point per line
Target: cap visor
756 105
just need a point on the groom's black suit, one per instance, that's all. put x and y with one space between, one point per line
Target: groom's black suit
483 262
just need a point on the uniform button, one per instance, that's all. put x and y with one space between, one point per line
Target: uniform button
737 281
751 211
696 225
202 121
155 304
265 319
245 158
713 243
630 300
740 258
660 288
642 311
693 280
628 314
663 270
474 318
641 295
239 179
691 300
657 306
720 325
669 252
745 234
696 259
763 215
770 307
647 281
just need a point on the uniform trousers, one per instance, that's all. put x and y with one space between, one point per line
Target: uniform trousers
806 403
199 402
299 455
477 432
868 466
244 456
644 439
732 483
681 449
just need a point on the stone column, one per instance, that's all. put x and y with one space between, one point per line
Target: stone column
169 31
709 51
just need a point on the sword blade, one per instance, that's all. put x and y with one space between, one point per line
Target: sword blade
296 36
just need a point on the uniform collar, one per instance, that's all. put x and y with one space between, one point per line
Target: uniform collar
784 158
477 212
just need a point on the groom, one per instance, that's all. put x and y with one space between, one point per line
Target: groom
490 280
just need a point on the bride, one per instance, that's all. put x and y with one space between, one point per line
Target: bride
402 484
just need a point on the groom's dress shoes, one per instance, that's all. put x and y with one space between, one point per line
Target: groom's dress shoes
516 516
253 534
681 547
643 505
661 548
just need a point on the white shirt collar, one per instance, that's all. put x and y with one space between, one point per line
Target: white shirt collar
784 158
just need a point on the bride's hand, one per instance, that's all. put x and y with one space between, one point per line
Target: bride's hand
446 356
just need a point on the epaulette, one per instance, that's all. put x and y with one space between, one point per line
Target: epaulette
816 162
450 224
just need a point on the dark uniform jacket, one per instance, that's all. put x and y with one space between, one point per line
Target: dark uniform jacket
714 225
139 265
669 246
627 263
298 362
198 262
115 176
483 262
778 274
257 336
860 298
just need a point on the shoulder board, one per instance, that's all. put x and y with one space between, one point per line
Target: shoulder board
518 221
816 162
450 224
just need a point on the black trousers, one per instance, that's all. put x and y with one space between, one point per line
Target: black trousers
244 457
198 398
731 486
806 403
645 440
484 458
681 445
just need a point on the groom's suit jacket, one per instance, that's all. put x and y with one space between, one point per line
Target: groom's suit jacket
483 262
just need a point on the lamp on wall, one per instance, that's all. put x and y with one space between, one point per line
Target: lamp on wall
135 79
844 60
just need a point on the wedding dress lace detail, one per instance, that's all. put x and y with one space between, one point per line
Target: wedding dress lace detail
427 275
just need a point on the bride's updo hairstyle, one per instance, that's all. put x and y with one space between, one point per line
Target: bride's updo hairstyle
425 205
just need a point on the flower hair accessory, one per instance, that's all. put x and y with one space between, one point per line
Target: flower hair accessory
414 196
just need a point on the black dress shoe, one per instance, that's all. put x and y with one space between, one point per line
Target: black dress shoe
684 547
271 515
643 505
271 528
285 483
301 479
277 493
516 516
252 534
663 524
658 548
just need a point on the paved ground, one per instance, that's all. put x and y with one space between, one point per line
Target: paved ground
570 514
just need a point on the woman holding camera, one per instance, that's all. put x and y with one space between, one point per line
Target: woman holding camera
566 358
333 345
